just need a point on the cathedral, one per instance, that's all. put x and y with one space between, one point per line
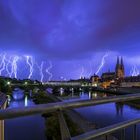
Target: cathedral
118 74
119 71
108 78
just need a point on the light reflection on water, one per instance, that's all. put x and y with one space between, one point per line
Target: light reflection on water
21 103
24 128
32 128
84 96
26 101
18 94
107 114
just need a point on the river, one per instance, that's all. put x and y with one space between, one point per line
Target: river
24 128
33 127
107 114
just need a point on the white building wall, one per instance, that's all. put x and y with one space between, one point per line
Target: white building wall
130 84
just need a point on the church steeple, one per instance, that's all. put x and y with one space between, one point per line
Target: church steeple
122 65
119 68
118 60
118 63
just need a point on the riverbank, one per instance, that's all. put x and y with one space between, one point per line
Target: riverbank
51 120
124 91
120 90
113 91
134 103
76 123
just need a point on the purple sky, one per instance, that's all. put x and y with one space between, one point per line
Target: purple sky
73 34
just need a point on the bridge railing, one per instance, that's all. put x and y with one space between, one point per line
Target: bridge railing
110 129
53 107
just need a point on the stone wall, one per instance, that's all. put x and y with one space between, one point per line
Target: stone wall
2 106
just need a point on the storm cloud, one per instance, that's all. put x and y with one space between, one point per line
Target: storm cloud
69 28
72 33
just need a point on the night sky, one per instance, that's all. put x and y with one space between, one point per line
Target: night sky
73 35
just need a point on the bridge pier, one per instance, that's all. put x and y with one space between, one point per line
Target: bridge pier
55 90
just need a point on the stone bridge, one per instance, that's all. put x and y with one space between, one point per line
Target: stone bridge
56 86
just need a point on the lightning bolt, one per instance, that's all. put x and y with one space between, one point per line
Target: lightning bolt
30 63
131 72
102 63
14 66
8 64
90 64
134 71
48 71
3 63
82 72
41 71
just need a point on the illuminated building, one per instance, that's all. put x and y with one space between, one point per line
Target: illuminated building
95 80
109 78
120 73
132 81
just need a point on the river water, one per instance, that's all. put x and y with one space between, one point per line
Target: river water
107 114
24 128
33 127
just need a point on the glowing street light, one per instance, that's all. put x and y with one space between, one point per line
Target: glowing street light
26 83
8 83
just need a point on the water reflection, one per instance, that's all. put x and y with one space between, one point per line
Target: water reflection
26 100
82 95
94 95
119 109
61 91
105 114
24 128
18 94
89 95
101 115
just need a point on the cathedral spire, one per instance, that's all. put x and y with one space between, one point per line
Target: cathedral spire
118 63
120 73
122 65
118 60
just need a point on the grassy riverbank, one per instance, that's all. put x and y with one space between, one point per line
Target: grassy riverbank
134 103
51 120
125 91
41 98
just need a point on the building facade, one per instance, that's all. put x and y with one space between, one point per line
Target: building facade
119 70
118 74
95 80
109 78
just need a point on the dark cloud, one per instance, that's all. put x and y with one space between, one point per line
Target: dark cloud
69 28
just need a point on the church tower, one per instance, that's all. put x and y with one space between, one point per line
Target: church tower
120 72
122 67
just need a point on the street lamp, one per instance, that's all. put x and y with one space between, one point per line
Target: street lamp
26 83
8 83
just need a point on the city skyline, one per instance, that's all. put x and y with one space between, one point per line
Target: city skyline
10 66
